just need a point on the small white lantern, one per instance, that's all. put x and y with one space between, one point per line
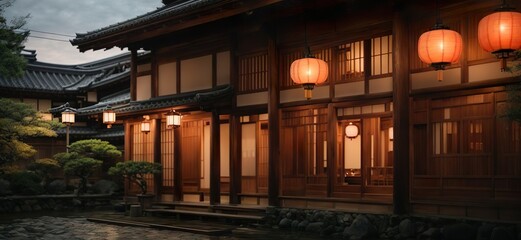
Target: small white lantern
109 117
351 131
173 119
145 125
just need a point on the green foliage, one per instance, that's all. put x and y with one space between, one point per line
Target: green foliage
513 111
19 121
44 167
135 172
81 167
25 183
95 148
12 63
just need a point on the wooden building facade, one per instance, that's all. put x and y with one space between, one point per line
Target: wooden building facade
248 135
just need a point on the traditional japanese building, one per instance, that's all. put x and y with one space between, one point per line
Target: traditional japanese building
249 135
47 87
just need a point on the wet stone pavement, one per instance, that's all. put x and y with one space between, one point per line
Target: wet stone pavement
56 228
78 227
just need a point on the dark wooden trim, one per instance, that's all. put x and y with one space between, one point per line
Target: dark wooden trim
464 54
178 76
273 121
178 175
477 87
215 159
401 85
133 74
154 81
235 159
214 69
331 149
157 154
367 64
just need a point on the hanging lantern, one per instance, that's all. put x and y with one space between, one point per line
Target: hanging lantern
440 47
109 117
308 71
145 124
351 131
500 33
173 119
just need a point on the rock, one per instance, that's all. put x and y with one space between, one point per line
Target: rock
348 219
56 187
502 233
394 220
294 224
315 227
285 223
484 231
104 187
459 231
328 230
431 233
407 228
361 228
302 225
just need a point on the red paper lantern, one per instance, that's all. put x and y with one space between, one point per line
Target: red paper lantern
440 47
500 33
309 72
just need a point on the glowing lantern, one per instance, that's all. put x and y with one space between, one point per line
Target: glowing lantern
500 33
440 47
109 117
351 131
173 119
145 125
309 71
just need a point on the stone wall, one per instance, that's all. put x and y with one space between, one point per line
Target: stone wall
53 202
341 225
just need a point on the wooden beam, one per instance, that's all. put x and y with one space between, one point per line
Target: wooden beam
273 122
235 159
215 159
133 74
401 107
178 176
331 149
156 141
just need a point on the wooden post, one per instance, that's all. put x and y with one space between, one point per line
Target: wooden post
178 176
215 159
133 74
401 111
331 149
273 122
235 159
157 154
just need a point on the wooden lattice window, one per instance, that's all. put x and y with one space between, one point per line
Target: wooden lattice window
351 61
253 72
142 150
167 155
381 55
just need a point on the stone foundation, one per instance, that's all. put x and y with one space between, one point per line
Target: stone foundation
52 202
341 225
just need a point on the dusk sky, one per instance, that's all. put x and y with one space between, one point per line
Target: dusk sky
70 17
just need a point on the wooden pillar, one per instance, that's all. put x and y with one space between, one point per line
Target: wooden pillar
235 159
401 111
133 74
331 149
215 159
178 176
156 141
273 122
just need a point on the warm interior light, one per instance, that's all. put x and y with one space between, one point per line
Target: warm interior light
500 33
308 72
173 119
109 117
68 116
440 47
391 133
351 131
145 124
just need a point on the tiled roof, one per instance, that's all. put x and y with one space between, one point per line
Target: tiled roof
57 78
116 131
113 100
182 7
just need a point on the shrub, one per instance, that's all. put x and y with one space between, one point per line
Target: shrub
25 183
104 187
56 187
5 187
81 167
135 171
44 167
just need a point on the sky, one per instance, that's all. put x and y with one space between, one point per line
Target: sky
68 17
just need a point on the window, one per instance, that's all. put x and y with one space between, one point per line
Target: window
381 55
253 72
351 61
141 151
167 155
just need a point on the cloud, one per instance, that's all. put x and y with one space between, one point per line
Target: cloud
70 17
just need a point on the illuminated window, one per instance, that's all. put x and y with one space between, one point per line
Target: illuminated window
381 55
351 61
